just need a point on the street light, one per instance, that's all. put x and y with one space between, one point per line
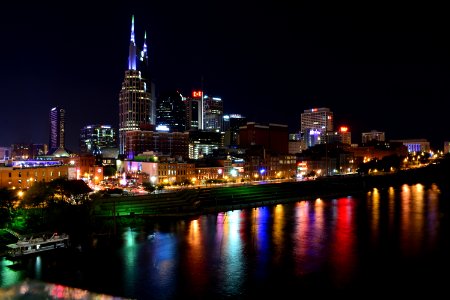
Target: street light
262 171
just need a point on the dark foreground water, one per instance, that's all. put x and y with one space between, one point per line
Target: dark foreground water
387 242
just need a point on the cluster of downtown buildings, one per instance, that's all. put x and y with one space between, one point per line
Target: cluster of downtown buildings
174 138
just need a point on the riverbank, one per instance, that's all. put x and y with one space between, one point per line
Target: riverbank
194 202
5 238
104 216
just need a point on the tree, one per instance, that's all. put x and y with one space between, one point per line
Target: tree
8 199
70 190
37 195
78 190
59 187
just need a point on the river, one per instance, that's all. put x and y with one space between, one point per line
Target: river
387 242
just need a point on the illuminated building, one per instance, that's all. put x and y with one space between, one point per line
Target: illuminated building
94 138
414 145
23 174
373 135
315 123
23 151
295 144
273 137
202 143
5 154
136 107
343 135
203 112
230 126
194 111
446 148
171 112
173 144
212 113
57 130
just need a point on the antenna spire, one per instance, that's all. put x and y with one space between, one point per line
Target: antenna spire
132 50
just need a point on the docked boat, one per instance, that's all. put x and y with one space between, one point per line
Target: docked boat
35 244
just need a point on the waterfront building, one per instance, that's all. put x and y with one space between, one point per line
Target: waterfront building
23 174
148 167
315 123
377 151
136 106
326 160
175 172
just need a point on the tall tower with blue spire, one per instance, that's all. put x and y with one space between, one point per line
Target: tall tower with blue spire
132 50
136 107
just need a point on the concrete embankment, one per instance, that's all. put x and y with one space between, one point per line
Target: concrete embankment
191 202
213 199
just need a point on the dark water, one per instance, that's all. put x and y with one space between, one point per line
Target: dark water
387 242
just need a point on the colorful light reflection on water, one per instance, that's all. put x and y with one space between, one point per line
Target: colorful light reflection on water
384 239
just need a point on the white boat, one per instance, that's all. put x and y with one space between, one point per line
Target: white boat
31 245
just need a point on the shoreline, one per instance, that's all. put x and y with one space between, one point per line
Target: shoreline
195 202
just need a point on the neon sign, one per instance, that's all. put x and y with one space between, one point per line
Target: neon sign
197 94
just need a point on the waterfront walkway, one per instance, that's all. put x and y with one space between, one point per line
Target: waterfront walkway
191 202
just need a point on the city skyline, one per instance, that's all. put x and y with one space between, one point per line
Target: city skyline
384 70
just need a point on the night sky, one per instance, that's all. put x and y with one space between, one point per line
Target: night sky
380 67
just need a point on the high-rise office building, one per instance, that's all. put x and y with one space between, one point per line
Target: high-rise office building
342 135
203 112
144 67
230 126
171 112
212 113
315 123
194 110
57 131
136 106
94 138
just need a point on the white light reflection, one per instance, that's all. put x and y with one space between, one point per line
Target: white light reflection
232 254
38 267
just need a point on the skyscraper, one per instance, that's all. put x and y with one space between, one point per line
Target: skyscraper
194 111
315 123
136 107
171 111
212 113
57 136
94 138
230 126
